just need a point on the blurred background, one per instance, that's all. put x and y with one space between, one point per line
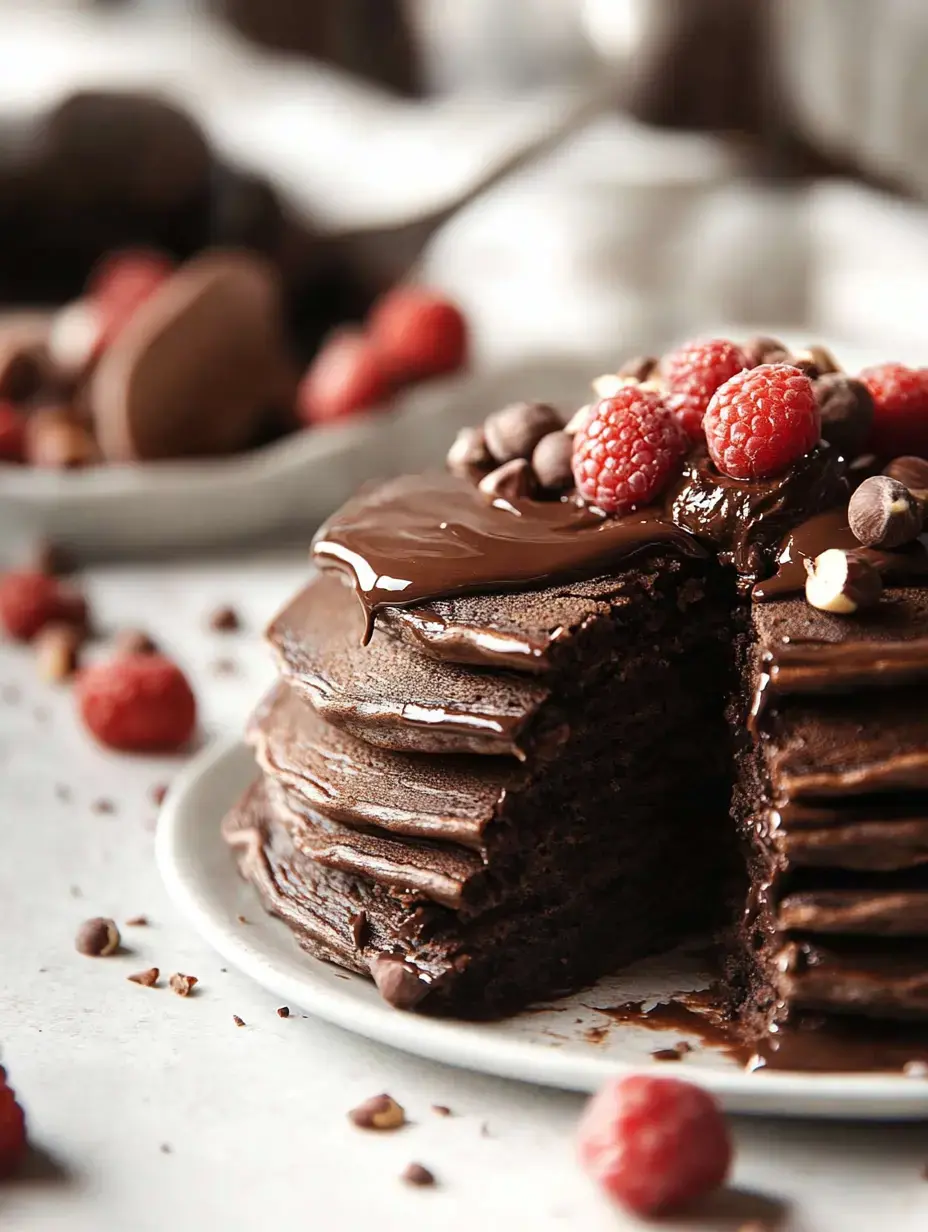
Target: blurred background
587 179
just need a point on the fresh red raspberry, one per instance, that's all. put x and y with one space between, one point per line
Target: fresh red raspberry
121 284
30 600
900 419
139 703
12 434
418 334
654 1144
12 1129
693 373
761 421
346 376
627 450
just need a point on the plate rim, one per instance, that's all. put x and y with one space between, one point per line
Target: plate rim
469 1045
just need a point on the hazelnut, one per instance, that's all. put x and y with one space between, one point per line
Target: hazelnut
148 979
578 420
913 474
551 461
468 453
397 981
57 647
846 409
815 361
842 582
883 513
511 481
641 368
97 938
57 441
378 1112
514 431
765 350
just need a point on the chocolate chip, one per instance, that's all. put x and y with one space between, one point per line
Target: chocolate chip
416 1174
913 474
397 982
283 1011
148 979
551 462
846 409
514 431
134 642
513 480
225 620
239 1022
183 985
641 368
378 1112
359 929
883 513
57 651
468 453
842 582
55 440
97 938
765 350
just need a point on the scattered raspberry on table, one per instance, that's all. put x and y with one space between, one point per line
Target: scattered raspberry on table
418 333
30 600
627 450
346 376
12 1129
900 411
761 421
139 703
654 1144
693 372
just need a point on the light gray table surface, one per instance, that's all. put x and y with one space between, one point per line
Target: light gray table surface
151 1112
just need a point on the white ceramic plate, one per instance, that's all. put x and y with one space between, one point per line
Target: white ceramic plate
568 1044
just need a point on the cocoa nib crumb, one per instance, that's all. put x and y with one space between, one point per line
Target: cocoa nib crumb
283 1011
225 619
158 792
442 1110
183 985
137 921
165 1148
416 1174
239 1022
97 938
148 979
103 806
379 1112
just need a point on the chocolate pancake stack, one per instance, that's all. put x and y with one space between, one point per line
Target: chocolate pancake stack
516 744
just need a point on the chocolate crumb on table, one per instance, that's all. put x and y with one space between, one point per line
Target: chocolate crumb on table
239 1022
148 979
378 1112
241 919
103 806
182 984
97 938
417 1174
165 1148
442 1110
137 921
225 619
283 1011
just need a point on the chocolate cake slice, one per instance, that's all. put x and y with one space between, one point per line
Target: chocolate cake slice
519 740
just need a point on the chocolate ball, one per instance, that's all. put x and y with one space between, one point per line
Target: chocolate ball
468 453
883 513
511 481
97 938
765 350
551 462
846 409
514 431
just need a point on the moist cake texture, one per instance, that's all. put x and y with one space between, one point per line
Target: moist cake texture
516 744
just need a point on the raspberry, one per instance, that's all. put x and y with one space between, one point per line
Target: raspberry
761 421
12 434
627 450
900 419
122 283
346 376
654 1144
12 1129
140 703
693 373
419 334
30 600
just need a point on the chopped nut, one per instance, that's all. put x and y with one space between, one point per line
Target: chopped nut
416 1174
378 1112
239 1022
468 453
57 651
133 642
283 1011
137 921
97 938
241 918
608 385
883 513
148 979
815 361
441 1110
842 582
912 473
511 481
846 409
514 431
551 462
183 985
578 420
225 620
